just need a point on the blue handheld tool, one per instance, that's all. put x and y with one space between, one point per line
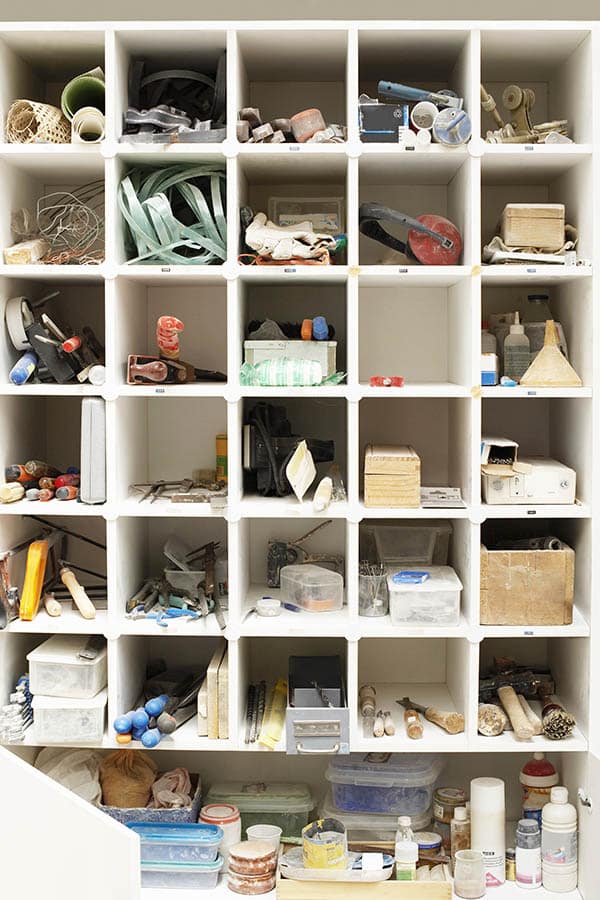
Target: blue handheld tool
407 576
140 718
155 706
390 89
123 724
151 738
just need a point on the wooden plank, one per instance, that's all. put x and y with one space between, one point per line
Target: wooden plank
203 709
381 890
223 697
212 678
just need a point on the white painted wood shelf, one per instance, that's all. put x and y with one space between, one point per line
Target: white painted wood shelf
390 318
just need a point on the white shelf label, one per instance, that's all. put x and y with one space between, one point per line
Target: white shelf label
165 268
402 270
293 146
528 633
160 390
532 512
290 270
531 271
532 393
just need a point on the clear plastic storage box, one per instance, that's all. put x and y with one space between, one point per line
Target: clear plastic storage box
312 587
433 602
413 545
60 720
56 671
178 843
325 213
394 785
286 805
366 826
191 876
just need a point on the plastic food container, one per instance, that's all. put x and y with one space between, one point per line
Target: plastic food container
55 670
399 785
435 601
59 720
178 843
370 826
198 876
325 213
413 545
313 587
286 805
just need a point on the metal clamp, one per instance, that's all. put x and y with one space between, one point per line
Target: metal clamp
335 749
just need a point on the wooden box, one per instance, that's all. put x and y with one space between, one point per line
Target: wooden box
392 476
533 225
527 587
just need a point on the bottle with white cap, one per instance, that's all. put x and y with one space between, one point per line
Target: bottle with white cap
559 843
406 851
517 353
538 776
488 827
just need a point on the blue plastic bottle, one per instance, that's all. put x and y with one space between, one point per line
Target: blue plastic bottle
24 368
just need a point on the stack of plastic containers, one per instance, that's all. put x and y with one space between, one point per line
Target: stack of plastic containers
68 680
368 793
179 856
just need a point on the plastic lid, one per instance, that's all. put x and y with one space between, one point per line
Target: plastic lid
538 766
171 833
63 648
487 794
510 853
274 797
441 578
385 770
528 826
174 867
559 794
404 821
451 796
220 813
41 701
517 328
460 814
428 840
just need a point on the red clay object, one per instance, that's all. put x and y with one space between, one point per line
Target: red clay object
430 252
386 381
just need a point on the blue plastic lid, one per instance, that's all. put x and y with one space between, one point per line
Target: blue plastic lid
173 867
410 576
172 833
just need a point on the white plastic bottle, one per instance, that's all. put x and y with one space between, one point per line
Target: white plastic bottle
559 843
488 340
528 855
517 355
406 851
488 827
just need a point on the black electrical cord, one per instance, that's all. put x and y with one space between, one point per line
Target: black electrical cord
278 478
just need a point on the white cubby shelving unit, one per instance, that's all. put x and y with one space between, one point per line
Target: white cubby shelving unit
391 317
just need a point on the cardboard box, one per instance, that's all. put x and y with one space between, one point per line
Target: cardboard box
533 225
392 476
527 587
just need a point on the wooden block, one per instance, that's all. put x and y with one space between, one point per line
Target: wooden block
533 225
223 697
527 587
392 490
212 684
384 459
287 889
203 709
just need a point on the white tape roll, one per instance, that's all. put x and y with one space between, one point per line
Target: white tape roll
423 114
87 126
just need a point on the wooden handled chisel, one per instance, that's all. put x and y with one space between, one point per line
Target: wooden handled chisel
452 722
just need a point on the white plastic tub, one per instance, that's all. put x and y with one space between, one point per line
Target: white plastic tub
433 602
169 843
313 588
394 785
191 876
60 720
56 671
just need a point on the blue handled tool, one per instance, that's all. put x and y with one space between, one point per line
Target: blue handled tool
414 95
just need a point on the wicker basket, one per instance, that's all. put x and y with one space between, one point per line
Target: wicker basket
28 122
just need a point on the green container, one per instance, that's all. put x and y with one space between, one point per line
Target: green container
84 90
288 806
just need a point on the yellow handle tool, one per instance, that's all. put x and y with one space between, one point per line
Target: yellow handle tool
35 570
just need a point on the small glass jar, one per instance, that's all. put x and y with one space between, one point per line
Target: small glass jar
373 597
469 874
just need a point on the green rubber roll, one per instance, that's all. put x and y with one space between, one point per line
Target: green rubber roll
83 90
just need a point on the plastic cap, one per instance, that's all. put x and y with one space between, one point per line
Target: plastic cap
404 820
539 755
559 794
528 826
517 328
460 814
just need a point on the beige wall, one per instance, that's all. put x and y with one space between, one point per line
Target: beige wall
42 10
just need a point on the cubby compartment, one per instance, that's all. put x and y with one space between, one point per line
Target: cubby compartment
416 543
82 545
263 179
166 438
262 659
432 59
35 183
434 427
266 546
301 299
142 542
195 49
416 332
574 533
570 305
46 429
555 428
143 165
415 185
568 661
135 657
432 672
555 63
37 65
564 179
282 72
323 420
201 305
80 303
